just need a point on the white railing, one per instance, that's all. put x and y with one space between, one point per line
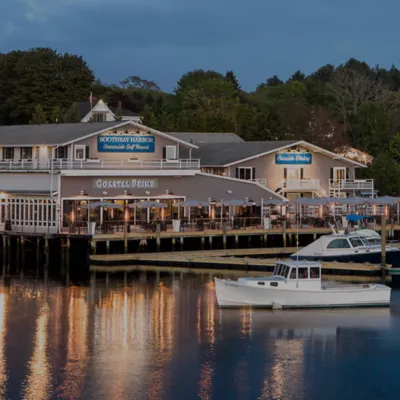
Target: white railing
301 184
262 182
351 184
66 164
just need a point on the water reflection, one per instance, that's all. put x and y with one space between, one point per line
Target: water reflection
39 380
3 332
166 339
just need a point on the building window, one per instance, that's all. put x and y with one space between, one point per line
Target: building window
246 173
8 153
80 152
61 152
170 152
26 153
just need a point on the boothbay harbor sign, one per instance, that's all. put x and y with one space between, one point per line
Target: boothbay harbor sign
293 158
125 183
125 144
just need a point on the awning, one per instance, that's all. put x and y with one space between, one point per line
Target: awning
30 192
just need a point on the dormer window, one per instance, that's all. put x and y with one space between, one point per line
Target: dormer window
99 117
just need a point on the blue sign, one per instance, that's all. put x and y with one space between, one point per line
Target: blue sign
125 144
293 158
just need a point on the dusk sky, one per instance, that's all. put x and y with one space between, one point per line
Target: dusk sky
162 39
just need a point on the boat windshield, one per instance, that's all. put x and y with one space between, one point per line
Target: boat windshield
374 241
356 242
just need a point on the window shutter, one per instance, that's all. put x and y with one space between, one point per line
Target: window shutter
164 153
237 173
301 173
331 173
347 173
284 173
87 152
253 173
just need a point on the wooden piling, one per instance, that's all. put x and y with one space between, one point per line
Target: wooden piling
37 251
46 252
93 246
126 237
158 237
173 244
108 247
210 242
284 234
236 241
202 241
4 253
22 251
181 242
383 246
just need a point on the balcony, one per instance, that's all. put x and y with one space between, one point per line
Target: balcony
301 184
93 164
351 184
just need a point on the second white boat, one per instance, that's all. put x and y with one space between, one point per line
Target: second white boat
297 284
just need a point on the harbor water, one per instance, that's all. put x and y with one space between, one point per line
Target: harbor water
148 335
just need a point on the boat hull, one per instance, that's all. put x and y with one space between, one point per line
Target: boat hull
235 294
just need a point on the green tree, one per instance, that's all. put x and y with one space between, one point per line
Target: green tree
231 77
118 112
72 114
57 115
394 147
135 82
386 173
39 116
370 128
40 76
297 76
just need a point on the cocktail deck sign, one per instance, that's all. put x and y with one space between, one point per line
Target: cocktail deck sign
125 144
293 158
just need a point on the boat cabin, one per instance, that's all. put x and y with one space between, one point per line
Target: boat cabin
289 274
298 270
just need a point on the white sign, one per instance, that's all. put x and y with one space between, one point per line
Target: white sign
125 183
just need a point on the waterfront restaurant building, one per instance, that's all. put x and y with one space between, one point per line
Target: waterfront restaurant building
48 173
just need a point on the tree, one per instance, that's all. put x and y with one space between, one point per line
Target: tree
231 77
40 76
72 114
297 76
386 173
57 115
370 128
135 82
39 116
394 148
195 79
118 112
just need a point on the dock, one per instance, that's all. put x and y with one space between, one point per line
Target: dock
223 260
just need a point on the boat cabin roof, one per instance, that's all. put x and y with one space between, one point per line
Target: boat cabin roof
299 264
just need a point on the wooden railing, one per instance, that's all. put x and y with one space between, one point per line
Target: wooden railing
66 164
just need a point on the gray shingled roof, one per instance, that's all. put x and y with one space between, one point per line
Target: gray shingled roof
50 134
204 137
226 153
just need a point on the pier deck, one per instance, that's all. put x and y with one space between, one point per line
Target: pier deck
226 259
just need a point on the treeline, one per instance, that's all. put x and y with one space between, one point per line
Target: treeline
349 104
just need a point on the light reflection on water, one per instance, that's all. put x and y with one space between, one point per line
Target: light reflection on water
168 340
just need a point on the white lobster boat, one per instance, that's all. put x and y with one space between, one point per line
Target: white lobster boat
297 284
